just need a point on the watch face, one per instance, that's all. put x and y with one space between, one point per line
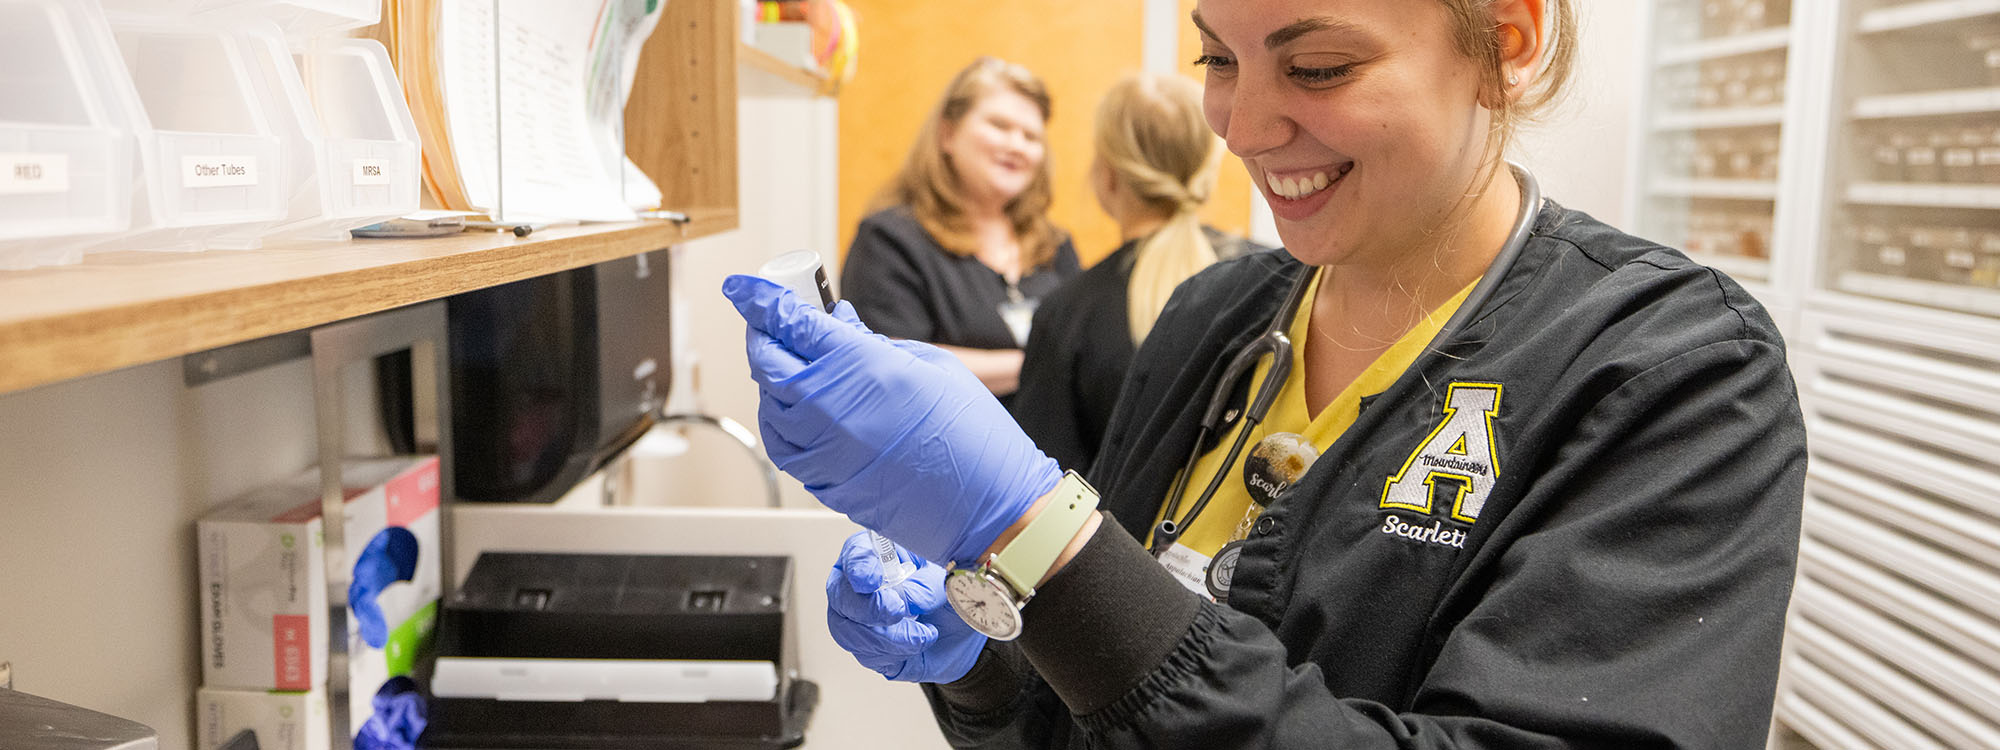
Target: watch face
983 603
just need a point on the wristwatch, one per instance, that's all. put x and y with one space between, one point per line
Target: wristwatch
989 595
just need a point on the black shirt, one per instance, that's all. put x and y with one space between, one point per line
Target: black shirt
1613 572
905 285
1079 351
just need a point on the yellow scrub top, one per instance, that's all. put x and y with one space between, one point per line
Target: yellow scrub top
1230 513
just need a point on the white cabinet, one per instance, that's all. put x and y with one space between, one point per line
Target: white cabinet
1864 208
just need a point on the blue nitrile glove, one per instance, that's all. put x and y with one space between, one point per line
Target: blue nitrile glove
389 557
399 718
906 632
895 434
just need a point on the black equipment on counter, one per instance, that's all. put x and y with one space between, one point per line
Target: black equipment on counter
619 651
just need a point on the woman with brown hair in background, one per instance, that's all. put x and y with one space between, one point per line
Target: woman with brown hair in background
960 249
1153 171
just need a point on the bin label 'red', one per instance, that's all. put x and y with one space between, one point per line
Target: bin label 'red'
218 171
22 174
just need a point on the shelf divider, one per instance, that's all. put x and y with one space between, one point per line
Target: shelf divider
1928 103
1965 299
1764 40
757 58
1920 14
1924 195
1748 190
1733 117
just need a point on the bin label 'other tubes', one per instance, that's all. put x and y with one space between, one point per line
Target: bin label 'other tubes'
218 171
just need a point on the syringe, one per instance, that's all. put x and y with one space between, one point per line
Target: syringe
800 271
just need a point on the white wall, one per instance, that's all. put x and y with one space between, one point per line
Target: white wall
101 480
787 187
1581 152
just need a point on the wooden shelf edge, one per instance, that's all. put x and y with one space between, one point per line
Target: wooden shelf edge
769 63
122 309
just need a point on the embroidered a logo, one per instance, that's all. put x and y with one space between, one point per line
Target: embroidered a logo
1460 453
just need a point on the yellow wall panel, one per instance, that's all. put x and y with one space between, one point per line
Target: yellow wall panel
910 50
1229 210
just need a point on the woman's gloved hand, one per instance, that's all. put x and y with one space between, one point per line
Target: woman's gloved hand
895 434
905 632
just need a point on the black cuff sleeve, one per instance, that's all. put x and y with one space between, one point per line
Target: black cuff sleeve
1106 621
996 680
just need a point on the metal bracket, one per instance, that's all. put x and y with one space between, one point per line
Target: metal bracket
420 329
202 368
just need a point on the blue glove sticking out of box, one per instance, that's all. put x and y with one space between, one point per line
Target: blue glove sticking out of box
389 557
399 719
904 632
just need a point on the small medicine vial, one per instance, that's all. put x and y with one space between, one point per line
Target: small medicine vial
800 271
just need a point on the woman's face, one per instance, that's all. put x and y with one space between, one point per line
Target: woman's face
1359 119
996 148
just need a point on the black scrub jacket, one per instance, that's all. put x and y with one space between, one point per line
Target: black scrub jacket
904 285
1572 523
1080 350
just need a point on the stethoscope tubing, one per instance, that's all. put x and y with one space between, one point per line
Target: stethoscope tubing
1274 342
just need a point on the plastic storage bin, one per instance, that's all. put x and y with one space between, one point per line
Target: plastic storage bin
298 18
65 144
351 162
208 157
304 18
372 146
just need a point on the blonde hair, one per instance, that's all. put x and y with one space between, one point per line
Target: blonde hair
1477 35
929 186
1152 136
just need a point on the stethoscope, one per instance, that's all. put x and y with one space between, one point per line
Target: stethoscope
1278 346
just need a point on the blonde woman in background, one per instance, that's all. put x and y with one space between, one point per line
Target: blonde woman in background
960 249
1154 170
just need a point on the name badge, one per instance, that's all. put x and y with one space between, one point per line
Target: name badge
1189 567
1019 314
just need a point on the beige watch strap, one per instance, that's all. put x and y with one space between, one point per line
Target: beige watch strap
1027 558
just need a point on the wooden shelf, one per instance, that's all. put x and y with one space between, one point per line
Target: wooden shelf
1746 190
756 57
1733 117
1924 195
1921 14
1766 40
125 308
120 309
1928 103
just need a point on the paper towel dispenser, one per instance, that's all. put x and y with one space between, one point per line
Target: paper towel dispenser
553 375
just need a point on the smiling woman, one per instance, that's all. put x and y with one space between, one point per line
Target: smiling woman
960 249
1542 458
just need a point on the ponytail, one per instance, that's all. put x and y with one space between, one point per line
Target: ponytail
1177 251
1152 135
